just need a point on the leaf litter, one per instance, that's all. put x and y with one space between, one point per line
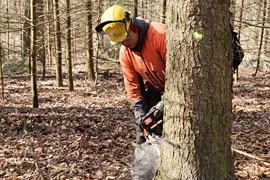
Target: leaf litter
90 133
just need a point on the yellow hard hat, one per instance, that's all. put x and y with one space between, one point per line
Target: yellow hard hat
115 22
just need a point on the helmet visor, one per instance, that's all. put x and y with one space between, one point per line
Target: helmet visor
113 33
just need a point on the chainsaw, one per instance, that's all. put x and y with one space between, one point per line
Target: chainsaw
150 121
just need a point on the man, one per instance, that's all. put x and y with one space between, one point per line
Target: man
143 60
142 57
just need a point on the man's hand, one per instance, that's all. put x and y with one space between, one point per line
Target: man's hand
158 109
148 120
140 109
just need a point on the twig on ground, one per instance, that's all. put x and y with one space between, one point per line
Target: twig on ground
249 155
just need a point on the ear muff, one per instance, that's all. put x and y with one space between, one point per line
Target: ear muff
127 15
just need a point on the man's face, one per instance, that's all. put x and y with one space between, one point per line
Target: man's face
133 39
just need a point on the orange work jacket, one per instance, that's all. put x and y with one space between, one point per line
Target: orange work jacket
149 62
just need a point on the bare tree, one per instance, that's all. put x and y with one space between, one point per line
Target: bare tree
49 47
261 38
163 11
41 52
1 72
89 43
59 78
239 31
135 10
33 4
8 28
98 20
26 33
68 44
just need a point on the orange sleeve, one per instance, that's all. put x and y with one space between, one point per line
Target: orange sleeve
131 78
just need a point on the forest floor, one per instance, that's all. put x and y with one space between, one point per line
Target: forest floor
90 133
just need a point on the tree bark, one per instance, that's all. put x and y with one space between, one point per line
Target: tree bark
68 43
8 28
198 94
58 59
239 32
1 73
163 11
135 10
41 53
89 35
33 5
98 20
49 47
261 38
26 34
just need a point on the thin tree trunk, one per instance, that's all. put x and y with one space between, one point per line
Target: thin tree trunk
8 28
22 42
41 53
33 53
163 11
98 19
21 37
198 94
89 43
49 47
143 15
266 36
261 39
135 10
75 41
59 78
68 43
26 34
239 31
1 72
258 11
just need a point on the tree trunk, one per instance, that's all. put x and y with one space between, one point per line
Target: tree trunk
143 15
68 42
239 32
257 19
41 53
58 58
163 11
33 54
1 72
261 38
26 34
8 29
98 20
49 47
198 94
135 10
89 51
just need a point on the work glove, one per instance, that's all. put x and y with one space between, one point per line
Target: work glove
158 112
140 108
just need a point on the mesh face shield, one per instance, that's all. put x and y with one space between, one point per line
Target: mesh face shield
112 33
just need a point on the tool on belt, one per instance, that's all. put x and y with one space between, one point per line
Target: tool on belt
150 121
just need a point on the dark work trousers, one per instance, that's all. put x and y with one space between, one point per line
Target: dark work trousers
151 97
147 155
